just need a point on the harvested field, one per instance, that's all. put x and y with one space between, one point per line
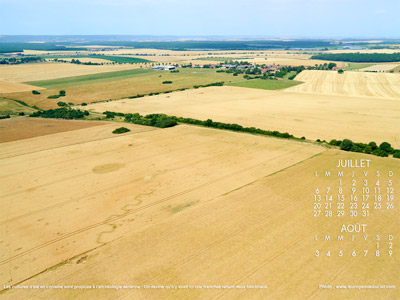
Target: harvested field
63 138
295 58
92 78
189 212
301 114
109 58
106 88
85 60
388 51
380 68
23 128
276 58
349 84
201 62
12 87
170 56
183 206
122 186
45 71
292 61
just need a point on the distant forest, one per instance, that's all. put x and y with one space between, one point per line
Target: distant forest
6 47
19 47
359 57
221 45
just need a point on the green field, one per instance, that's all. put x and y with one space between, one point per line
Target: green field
289 74
120 84
266 84
87 79
357 66
122 60
11 107
222 59
117 59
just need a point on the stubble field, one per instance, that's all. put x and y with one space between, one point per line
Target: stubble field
118 186
45 71
87 59
184 57
179 206
381 68
92 88
12 87
301 114
382 85
189 207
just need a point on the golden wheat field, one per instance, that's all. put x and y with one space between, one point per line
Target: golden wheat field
389 51
279 57
171 56
114 186
144 83
301 114
13 87
184 213
44 71
381 67
189 212
87 59
363 84
291 61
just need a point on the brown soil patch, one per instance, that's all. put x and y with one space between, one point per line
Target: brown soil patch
23 128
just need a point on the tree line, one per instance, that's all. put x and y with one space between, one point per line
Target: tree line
383 150
165 121
61 113
22 60
359 57
78 62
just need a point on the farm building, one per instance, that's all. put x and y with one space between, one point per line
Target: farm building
167 68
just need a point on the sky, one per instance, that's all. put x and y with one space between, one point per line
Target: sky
234 18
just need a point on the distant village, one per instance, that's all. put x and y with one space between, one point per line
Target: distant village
241 67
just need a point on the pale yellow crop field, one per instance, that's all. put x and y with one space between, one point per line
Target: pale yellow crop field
282 57
176 207
68 193
380 67
159 52
13 87
201 62
40 52
86 60
292 61
362 84
43 71
388 51
301 114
